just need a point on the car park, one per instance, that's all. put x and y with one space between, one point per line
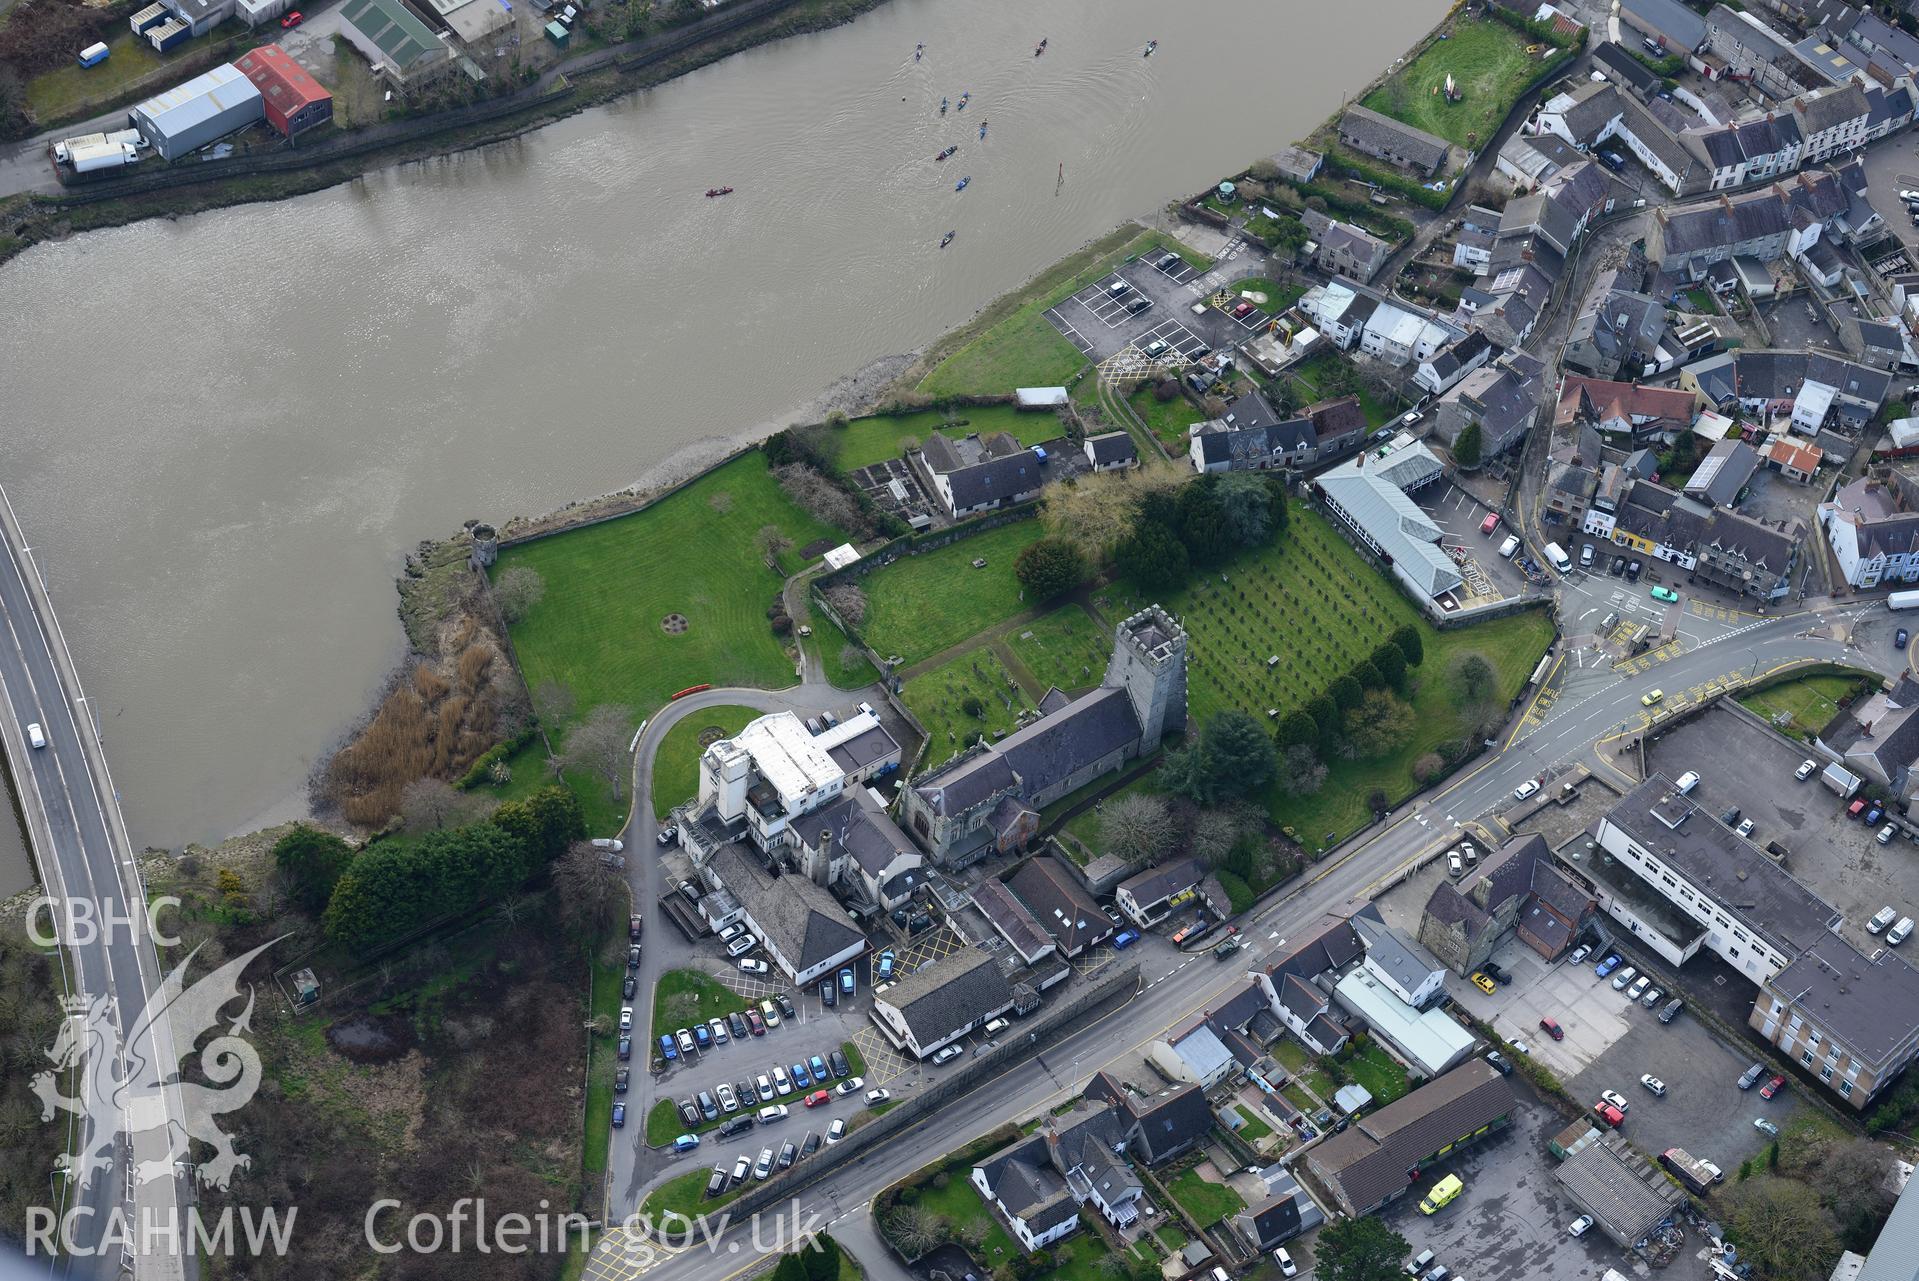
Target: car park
836 1131
1623 977
1525 789
1484 983
1772 1087
1653 1083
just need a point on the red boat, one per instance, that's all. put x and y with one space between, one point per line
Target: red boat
948 152
718 191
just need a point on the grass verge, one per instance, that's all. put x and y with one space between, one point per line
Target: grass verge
1804 706
676 767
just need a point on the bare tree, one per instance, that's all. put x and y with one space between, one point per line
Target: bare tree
1782 1229
553 702
1136 827
517 591
429 804
1301 772
816 494
1095 513
585 887
915 1229
772 541
1214 833
848 601
1855 1179
598 745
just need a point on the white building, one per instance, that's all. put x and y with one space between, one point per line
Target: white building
1425 1040
775 771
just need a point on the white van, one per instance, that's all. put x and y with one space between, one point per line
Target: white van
1557 555
1507 548
1899 933
1117 288
34 736
1688 781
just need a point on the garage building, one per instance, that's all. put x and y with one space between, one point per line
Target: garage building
1624 1192
203 110
294 100
394 39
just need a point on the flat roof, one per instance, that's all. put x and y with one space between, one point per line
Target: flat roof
793 762
1427 1035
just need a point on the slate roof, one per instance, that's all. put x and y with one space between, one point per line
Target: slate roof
1763 374
1369 1161
1658 139
1829 108
1002 480
1159 1123
1333 419
1037 755
1668 17
1726 469
799 918
1618 322
1157 883
1374 131
860 826
1111 448
1223 443
863 749
1389 950
1623 67
1062 907
950 993
1009 916
1589 109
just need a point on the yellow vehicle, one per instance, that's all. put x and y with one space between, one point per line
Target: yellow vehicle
1654 698
1483 983
1442 1194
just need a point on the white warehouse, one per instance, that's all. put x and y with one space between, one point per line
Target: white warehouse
203 110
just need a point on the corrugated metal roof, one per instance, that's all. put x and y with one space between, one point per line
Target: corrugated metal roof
1895 1255
200 99
401 36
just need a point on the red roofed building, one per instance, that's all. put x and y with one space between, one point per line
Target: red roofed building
1798 462
295 101
1629 408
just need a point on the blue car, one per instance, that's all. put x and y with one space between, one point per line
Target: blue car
818 1065
619 1116
686 1143
1607 966
701 1036
666 1047
1125 939
886 964
802 1079
846 980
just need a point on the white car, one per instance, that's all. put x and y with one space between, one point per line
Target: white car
685 1039
1520 1047
718 1028
765 1086
752 965
1580 953
1579 1225
1805 770
729 1101
1617 1099
851 1085
781 1081
1525 789
35 736
836 1131
608 843
876 1097
948 1053
1638 988
1287 1268
771 1114
1654 1084
626 1018
1624 977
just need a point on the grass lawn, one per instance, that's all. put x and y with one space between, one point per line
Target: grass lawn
1311 376
1376 1070
607 975
663 1123
1806 704
1065 648
920 605
936 698
1312 601
676 769
609 588
686 1195
1084 826
72 88
1208 1203
866 441
845 663
1489 65
1166 419
1278 297
1291 1055
682 996
1298 1097
1255 1129
961 1206
1018 346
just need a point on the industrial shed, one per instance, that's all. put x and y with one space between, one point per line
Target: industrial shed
393 39
1627 1195
205 109
294 100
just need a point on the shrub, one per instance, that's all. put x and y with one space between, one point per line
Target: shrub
1238 892
1427 767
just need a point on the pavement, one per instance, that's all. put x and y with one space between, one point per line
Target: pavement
83 854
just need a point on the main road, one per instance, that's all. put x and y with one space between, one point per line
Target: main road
1582 706
85 860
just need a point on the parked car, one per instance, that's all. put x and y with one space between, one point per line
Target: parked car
737 1022
1484 983
1900 932
1616 1099
1287 1268
755 1024
667 1051
629 988
666 834
1633 569
741 946
763 1168
829 995
1772 1087
846 981
1579 1225
292 20
876 1097
1611 1115
770 1012
742 1170
836 1131
729 1101
947 1053
1881 919
1651 998
840 1067
1580 953
801 1077
1623 977
1899 638
769 1115
689 1111
1638 988
1653 1083
763 1086
1550 1027
702 1037
1885 834
1671 1011
1762 1124
686 1143
1750 1077
812 1143
626 1048
786 1005
1525 789
818 1067
886 963
851 1085
1608 965
1500 1061
738 1125
633 924
621 1079
782 1083
1744 828
1617 567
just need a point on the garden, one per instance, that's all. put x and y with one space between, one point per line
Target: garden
865 441
920 605
676 766
1804 705
1490 67
1207 1202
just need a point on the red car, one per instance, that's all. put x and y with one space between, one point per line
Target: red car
818 1097
755 1024
293 20
1552 1029
1772 1087
1609 1114
1242 311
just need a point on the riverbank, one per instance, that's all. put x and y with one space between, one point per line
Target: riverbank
28 219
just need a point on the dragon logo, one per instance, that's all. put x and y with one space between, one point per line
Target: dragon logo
130 1088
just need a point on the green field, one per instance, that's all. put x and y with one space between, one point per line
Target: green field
1208 1203
1021 348
609 588
1065 648
72 88
920 605
1489 65
676 767
1809 702
866 441
936 698
1168 420
683 996
1311 600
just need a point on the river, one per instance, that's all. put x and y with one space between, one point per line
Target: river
223 431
